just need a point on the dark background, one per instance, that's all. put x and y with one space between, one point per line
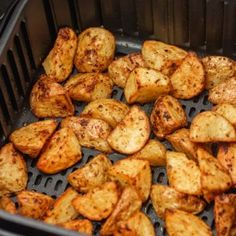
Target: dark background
4 4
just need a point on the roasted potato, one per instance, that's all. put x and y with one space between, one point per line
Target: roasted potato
218 69
30 139
131 134
91 175
98 203
95 51
63 210
109 110
167 116
13 171
88 87
90 132
181 223
50 99
189 78
62 151
59 62
7 205
161 56
119 70
134 172
33 205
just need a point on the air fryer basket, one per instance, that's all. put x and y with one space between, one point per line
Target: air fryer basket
205 26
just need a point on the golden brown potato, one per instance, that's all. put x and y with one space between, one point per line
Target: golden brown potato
62 151
134 172
218 69
63 210
7 205
166 198
162 57
90 132
33 205
91 175
13 171
119 70
95 51
30 139
98 203
88 87
167 116
131 134
59 62
180 223
154 152
209 126
189 78
109 110
50 99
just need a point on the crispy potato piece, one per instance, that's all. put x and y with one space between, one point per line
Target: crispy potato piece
209 126
30 139
129 203
180 223
98 203
225 214
146 85
13 171
33 204
109 110
50 99
88 87
91 175
90 132
63 210
95 51
183 174
189 78
165 197
162 57
7 205
120 69
59 62
218 69
134 172
167 116
131 134
154 152
62 151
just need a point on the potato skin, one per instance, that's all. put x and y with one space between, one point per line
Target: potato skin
95 51
7 205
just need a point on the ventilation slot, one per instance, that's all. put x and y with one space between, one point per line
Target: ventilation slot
74 19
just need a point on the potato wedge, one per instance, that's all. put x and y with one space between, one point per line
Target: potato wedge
95 51
90 132
62 210
50 99
209 126
167 198
33 204
146 85
184 175
131 134
167 116
59 62
189 78
98 203
218 69
120 69
7 205
91 175
134 172
62 151
88 87
13 171
180 223
30 139
109 110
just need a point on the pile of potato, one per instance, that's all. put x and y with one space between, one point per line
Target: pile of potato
114 193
